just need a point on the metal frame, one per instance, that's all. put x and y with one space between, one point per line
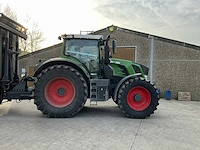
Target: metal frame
5 77
10 86
1 52
151 56
12 26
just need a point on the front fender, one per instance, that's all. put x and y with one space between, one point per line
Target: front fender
122 81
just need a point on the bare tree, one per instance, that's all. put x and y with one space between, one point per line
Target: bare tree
35 36
10 13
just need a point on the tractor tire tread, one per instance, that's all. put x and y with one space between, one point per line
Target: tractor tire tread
146 112
38 91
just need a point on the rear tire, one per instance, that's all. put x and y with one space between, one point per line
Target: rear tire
138 98
60 91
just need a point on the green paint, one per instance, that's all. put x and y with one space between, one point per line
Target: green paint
115 63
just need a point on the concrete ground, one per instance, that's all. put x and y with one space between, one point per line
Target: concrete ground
175 125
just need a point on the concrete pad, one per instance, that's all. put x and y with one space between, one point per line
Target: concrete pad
4 108
175 125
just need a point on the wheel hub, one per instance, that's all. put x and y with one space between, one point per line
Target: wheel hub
137 97
61 91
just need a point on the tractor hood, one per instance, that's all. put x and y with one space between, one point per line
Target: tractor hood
126 67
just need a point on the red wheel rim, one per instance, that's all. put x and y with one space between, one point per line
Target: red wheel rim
139 98
59 92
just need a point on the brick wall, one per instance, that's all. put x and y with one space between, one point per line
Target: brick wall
32 59
177 68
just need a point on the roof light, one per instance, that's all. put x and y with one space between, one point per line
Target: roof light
63 35
111 28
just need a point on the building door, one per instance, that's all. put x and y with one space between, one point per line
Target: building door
127 53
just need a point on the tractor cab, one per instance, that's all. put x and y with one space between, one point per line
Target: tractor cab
88 50
84 48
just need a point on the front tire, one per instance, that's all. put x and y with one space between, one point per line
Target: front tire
60 91
138 98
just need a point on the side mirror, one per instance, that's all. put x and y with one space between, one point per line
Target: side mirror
114 46
59 38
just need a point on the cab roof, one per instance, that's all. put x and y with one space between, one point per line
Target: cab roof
82 36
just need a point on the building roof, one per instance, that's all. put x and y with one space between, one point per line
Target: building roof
40 51
147 35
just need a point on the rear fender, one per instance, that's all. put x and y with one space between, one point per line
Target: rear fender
61 61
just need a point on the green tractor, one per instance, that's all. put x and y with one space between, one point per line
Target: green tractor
84 71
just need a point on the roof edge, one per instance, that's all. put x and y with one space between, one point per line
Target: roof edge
147 35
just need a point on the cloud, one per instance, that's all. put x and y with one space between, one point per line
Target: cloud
154 16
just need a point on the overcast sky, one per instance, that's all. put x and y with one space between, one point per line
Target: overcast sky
174 19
